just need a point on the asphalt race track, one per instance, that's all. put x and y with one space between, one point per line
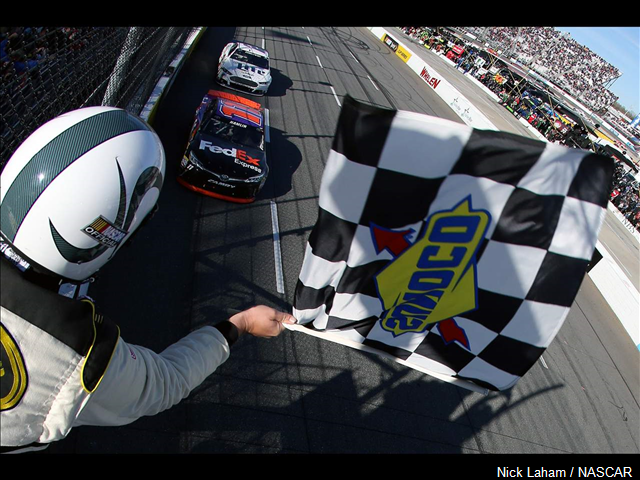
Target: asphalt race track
201 259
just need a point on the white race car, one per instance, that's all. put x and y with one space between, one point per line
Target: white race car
244 67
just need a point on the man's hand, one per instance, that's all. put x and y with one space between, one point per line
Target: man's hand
261 321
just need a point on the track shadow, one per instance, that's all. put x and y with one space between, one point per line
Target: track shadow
284 158
287 36
280 83
279 396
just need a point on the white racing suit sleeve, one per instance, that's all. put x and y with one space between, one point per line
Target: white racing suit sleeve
140 382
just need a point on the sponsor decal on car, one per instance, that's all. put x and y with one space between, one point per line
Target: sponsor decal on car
241 156
247 165
222 184
240 113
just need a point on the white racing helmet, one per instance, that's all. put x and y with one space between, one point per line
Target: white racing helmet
78 187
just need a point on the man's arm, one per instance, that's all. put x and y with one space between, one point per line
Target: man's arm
140 382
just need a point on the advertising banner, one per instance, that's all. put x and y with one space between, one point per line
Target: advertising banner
403 54
393 45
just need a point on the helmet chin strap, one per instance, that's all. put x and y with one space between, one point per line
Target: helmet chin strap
75 290
79 289
13 256
65 287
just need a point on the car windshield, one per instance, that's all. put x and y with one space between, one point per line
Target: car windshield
235 133
244 56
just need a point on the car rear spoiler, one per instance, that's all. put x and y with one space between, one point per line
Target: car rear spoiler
235 98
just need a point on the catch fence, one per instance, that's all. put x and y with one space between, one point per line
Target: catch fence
47 71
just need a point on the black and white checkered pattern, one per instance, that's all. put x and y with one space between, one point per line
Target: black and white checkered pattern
395 168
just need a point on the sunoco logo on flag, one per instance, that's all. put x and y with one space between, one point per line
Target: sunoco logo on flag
456 251
434 279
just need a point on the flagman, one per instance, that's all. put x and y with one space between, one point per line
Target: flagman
62 363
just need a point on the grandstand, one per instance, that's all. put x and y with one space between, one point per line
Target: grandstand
556 85
558 58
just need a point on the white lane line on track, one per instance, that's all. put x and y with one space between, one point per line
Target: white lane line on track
277 252
267 137
354 57
319 63
310 43
544 364
263 43
373 83
335 95
275 226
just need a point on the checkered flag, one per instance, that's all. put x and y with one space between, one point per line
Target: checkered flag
452 250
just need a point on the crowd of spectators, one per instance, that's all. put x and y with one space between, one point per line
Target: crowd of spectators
39 54
545 118
525 104
622 124
533 106
513 93
24 48
624 195
557 57
553 54
582 73
46 70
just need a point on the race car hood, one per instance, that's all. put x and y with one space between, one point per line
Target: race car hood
246 70
225 158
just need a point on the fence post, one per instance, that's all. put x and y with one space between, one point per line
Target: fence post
120 70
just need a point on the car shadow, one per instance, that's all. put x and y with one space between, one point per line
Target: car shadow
280 83
283 158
